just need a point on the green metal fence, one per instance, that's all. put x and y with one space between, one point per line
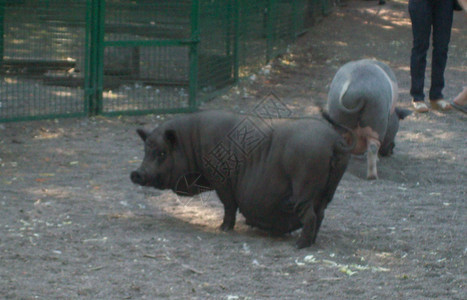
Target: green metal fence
62 58
40 45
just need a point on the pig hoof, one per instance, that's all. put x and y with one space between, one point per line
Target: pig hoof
226 227
303 243
372 177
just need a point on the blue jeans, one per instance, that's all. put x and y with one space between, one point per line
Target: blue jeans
425 15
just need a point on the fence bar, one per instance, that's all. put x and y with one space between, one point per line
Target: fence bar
269 29
193 56
89 57
2 20
326 7
148 43
92 56
85 57
236 53
97 109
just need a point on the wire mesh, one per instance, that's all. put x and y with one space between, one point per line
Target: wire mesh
282 32
76 57
41 58
157 80
252 35
216 47
145 66
147 19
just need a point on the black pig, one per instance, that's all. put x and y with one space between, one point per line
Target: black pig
280 174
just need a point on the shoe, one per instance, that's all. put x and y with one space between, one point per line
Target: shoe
462 108
420 106
440 104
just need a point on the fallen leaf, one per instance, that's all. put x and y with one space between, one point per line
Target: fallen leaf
346 270
310 259
329 262
299 263
47 174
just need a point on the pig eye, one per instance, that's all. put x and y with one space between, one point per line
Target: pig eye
159 155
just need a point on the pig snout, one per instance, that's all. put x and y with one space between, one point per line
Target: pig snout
138 177
145 178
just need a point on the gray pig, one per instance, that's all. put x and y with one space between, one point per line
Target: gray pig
280 174
363 96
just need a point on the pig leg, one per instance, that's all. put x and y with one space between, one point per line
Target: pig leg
338 165
306 210
320 216
372 158
318 208
308 235
230 210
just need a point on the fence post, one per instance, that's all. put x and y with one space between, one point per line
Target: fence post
299 8
99 68
93 81
91 57
241 36
236 55
193 80
325 6
2 21
269 28
87 55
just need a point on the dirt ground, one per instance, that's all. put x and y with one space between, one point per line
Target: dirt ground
73 226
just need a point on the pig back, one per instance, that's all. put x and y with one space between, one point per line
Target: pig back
362 94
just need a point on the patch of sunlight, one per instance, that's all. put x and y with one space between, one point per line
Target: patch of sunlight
404 68
341 43
10 80
458 68
387 27
288 62
52 192
430 136
443 135
203 210
43 135
67 152
62 94
17 42
398 19
419 137
400 22
111 95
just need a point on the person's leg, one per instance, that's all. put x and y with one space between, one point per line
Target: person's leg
442 23
460 102
421 17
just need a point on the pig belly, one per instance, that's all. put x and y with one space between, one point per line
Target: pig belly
282 219
265 203
280 224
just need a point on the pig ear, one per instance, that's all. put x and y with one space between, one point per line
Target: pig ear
402 112
143 134
170 136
